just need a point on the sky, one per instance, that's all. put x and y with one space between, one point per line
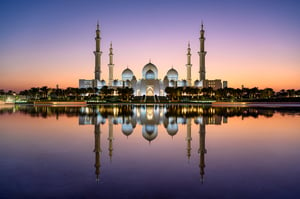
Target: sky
254 43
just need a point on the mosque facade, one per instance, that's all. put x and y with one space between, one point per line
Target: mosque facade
149 84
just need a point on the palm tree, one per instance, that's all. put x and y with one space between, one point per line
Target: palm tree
237 93
129 93
208 92
179 92
126 93
90 91
44 90
171 92
220 93
121 92
253 93
266 93
34 92
291 92
105 91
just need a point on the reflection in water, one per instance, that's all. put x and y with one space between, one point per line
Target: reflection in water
152 116
97 150
111 144
202 150
149 117
189 137
110 138
154 111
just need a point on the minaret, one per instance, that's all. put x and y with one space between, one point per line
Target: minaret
189 66
202 54
110 138
97 151
188 137
202 150
110 66
97 53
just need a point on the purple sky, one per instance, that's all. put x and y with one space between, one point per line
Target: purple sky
249 42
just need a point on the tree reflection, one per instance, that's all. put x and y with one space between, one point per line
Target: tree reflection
149 117
184 111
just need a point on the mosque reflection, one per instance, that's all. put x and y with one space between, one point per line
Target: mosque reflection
150 117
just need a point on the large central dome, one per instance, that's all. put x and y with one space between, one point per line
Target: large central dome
150 71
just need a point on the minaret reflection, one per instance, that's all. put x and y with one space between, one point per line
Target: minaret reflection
97 151
110 137
202 150
188 137
148 118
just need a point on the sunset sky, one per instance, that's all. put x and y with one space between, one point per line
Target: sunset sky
248 42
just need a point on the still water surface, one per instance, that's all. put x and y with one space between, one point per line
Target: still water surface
149 152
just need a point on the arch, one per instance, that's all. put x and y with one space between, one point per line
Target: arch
150 74
150 91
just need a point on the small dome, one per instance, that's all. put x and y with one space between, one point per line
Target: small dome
184 83
115 82
127 129
127 74
150 71
102 121
172 126
198 120
172 129
172 83
115 121
172 74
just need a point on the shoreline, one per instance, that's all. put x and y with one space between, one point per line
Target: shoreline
213 104
255 104
59 103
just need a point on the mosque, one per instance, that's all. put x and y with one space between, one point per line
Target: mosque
150 84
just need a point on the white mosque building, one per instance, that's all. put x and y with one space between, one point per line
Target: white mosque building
149 84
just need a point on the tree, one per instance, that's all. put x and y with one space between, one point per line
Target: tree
208 92
253 93
171 92
179 92
266 93
90 91
282 93
128 93
105 91
44 91
291 92
34 92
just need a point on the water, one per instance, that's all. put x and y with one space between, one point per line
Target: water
149 152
